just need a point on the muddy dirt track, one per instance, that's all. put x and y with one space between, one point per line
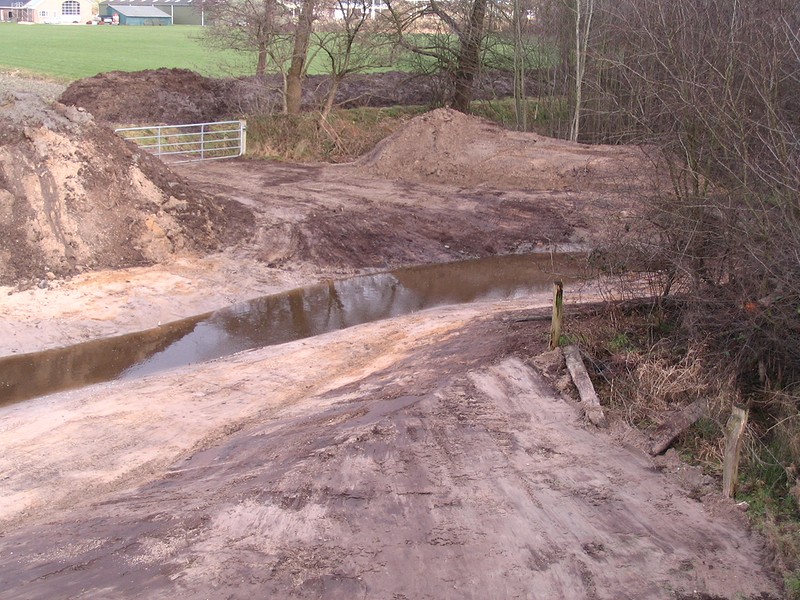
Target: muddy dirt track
422 457
426 456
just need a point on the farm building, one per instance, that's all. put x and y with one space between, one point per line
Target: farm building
47 11
136 15
180 12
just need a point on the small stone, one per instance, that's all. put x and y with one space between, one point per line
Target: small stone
743 506
50 275
43 284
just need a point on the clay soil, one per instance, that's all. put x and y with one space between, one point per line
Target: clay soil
436 455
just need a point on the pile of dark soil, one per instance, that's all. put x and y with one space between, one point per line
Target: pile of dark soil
175 96
169 96
76 197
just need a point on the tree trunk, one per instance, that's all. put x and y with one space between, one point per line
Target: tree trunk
469 57
294 78
331 98
583 24
261 65
520 106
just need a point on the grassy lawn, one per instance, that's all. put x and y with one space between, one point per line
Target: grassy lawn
68 52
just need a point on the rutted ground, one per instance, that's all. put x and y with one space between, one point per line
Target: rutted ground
420 457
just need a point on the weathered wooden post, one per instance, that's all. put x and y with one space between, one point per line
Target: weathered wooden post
580 377
242 137
558 314
664 434
734 431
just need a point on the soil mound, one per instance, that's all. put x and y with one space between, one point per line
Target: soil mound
168 96
75 197
446 146
176 96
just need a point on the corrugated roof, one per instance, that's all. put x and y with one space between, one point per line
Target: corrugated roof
148 12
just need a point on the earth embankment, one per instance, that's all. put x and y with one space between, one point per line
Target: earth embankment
75 197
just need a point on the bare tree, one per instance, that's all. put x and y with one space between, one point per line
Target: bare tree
352 41
297 70
520 104
246 26
714 85
584 13
448 34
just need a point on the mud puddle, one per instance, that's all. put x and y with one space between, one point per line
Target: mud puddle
280 318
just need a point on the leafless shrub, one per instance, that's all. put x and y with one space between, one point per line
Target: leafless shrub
714 85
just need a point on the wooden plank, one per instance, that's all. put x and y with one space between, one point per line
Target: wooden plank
558 314
591 403
666 432
734 438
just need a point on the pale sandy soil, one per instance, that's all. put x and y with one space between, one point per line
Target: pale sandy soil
108 303
418 457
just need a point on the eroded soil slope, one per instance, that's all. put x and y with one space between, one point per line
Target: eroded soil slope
75 197
420 457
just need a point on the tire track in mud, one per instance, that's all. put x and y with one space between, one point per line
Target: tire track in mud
453 470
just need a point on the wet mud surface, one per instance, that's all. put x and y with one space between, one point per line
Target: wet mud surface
416 457
436 463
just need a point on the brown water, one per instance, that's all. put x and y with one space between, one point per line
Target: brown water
280 318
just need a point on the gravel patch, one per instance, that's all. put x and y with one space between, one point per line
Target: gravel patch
12 82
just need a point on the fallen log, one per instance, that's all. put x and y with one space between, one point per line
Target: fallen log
591 403
665 433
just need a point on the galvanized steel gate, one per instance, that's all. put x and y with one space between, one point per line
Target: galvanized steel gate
188 143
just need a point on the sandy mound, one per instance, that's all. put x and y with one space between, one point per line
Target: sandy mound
75 197
446 146
169 96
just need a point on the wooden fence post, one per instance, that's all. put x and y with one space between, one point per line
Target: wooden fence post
733 446
242 137
558 314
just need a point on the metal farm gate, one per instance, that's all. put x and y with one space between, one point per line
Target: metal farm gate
188 143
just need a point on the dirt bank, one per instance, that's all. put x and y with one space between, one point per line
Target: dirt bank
419 457
74 197
175 96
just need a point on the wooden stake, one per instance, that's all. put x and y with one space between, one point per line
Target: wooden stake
558 314
733 447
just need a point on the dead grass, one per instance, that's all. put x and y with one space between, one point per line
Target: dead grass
643 372
342 137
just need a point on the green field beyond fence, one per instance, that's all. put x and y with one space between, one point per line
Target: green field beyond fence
69 52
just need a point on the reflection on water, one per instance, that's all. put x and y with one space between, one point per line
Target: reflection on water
280 318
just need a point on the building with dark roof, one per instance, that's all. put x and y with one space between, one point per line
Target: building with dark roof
180 12
137 15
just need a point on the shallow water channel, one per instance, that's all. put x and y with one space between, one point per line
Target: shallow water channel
280 318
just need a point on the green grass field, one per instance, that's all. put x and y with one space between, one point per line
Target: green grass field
69 52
